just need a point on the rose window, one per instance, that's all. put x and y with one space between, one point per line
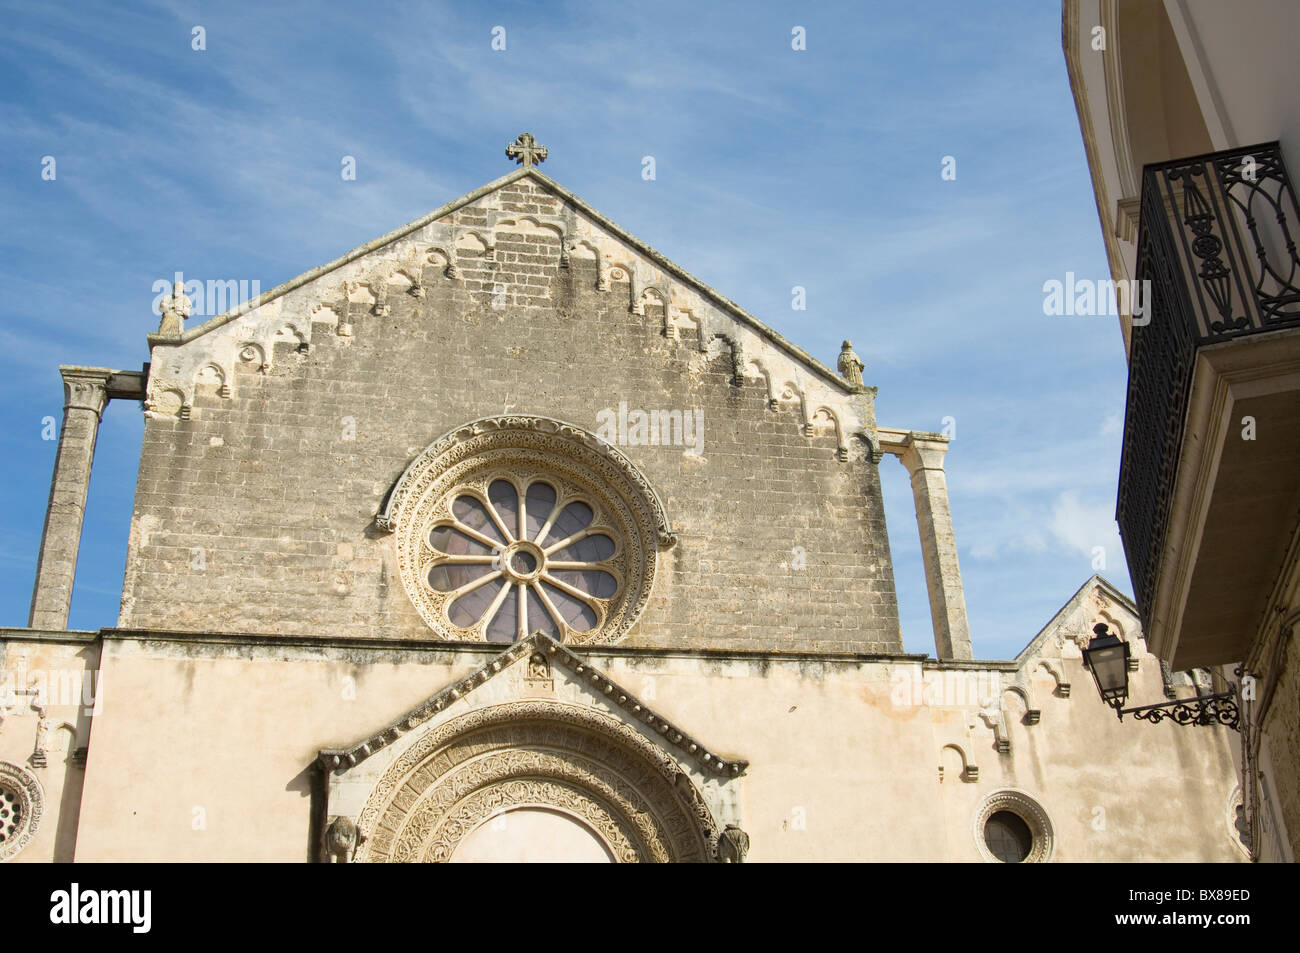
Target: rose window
11 815
21 805
512 556
519 524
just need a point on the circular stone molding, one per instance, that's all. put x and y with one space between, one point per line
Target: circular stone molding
521 450
1029 811
21 805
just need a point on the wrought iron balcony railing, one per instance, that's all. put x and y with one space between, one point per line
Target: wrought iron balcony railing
1217 244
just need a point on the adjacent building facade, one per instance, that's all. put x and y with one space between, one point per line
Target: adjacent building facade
504 538
1190 115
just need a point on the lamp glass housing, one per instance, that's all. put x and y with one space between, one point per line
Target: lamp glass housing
1107 659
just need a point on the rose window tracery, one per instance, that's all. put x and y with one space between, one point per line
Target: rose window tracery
11 814
516 556
509 525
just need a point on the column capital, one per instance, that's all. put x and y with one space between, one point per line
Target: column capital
85 388
923 451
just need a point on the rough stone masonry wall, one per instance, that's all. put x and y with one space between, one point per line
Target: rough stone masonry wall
1283 732
256 515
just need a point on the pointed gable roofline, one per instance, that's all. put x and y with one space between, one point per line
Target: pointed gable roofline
739 313
341 759
1096 581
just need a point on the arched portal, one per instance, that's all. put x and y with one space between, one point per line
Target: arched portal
537 781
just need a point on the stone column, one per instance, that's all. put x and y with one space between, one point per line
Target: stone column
85 391
923 456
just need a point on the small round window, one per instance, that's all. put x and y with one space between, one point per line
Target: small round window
1008 837
516 557
1012 828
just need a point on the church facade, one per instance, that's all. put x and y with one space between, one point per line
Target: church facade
502 537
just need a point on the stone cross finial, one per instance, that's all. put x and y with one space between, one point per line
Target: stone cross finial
526 150
175 308
850 365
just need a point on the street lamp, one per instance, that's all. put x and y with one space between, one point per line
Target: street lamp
1107 658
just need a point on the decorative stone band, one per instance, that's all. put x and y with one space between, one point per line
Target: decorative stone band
708 761
407 260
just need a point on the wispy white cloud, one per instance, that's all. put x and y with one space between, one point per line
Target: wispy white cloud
1086 527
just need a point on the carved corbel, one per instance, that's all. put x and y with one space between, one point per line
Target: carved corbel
342 838
733 845
737 362
997 721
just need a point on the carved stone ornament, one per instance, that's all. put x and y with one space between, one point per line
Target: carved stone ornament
521 451
526 150
39 758
733 845
22 802
174 308
340 839
85 391
850 365
535 755
539 669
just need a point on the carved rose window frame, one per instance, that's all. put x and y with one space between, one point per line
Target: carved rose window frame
608 589
22 803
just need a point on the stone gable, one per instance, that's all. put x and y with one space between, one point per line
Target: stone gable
276 432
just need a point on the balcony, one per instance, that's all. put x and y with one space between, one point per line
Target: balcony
1207 501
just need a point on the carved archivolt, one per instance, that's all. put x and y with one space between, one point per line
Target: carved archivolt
21 805
536 754
521 451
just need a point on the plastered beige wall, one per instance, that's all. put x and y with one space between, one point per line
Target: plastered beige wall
63 673
838 769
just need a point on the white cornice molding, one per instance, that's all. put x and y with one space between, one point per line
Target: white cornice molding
1223 374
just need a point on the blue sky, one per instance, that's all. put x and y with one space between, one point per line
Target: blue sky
774 168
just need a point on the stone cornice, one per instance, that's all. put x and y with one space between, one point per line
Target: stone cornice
53 636
435 646
899 442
